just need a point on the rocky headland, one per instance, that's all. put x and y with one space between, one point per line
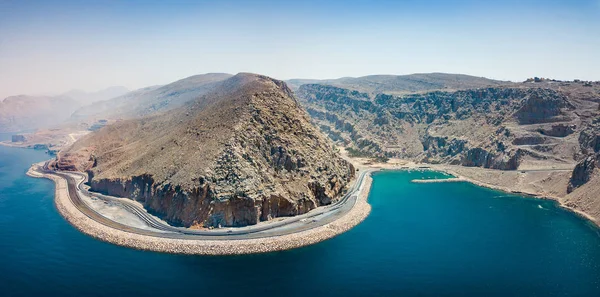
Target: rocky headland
85 224
243 153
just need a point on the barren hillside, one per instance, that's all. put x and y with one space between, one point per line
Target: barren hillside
151 100
526 126
243 153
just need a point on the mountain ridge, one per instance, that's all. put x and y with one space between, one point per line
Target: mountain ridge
401 84
154 99
25 112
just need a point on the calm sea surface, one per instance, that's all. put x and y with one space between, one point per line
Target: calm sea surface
444 239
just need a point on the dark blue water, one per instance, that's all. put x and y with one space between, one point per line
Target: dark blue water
446 239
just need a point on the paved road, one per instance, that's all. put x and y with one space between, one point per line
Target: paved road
315 218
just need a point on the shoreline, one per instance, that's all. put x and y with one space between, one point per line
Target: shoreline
460 177
360 210
557 199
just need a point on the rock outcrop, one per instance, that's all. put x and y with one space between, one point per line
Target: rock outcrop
18 138
582 172
589 140
242 154
559 130
543 107
499 127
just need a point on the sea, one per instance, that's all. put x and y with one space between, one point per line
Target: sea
421 239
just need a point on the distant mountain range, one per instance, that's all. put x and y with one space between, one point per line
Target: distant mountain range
151 99
402 84
33 112
22 113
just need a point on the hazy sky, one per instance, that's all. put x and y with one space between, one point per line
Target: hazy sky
54 46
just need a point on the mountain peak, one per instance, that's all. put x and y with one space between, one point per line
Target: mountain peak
242 153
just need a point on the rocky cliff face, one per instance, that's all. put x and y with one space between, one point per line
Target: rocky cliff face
242 154
589 140
544 125
582 172
500 127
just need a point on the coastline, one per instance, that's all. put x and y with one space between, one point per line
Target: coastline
359 211
64 205
458 177
17 145
543 196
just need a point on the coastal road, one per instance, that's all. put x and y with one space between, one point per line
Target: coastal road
315 218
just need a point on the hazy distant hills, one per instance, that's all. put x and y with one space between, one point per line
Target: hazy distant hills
402 84
152 99
19 113
90 97
23 112
117 103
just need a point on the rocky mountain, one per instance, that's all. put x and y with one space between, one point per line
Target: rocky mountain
90 97
151 100
402 84
242 153
22 113
502 127
539 124
589 141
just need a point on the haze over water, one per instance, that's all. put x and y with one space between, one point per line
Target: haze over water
445 239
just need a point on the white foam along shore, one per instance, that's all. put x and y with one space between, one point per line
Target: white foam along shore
357 214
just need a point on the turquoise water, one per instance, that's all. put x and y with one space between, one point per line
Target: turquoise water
445 239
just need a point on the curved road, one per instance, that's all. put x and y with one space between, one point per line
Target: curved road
315 218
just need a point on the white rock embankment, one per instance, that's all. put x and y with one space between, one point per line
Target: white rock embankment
207 247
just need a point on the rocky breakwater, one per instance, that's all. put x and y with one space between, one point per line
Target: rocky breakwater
240 155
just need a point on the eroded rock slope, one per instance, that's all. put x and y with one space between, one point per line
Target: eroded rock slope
244 153
517 126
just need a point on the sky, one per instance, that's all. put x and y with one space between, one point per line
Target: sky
49 47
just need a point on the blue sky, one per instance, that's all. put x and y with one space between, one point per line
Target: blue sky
54 46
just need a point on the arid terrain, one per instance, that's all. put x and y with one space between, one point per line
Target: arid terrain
245 159
151 100
28 113
242 153
541 136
